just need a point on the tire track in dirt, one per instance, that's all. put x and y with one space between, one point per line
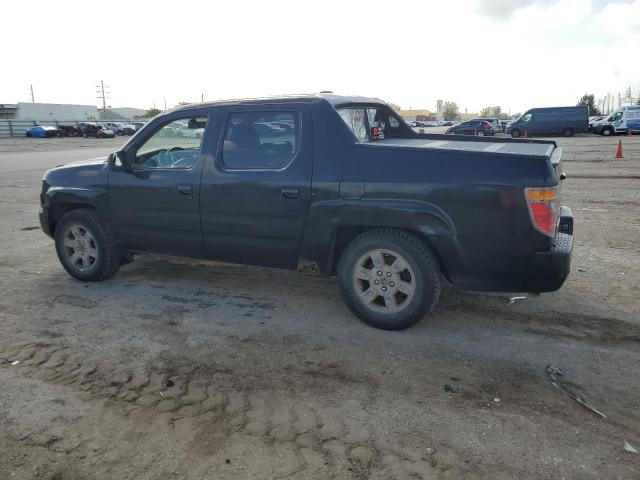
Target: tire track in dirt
318 436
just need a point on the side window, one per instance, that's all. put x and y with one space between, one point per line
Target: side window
355 120
526 118
175 145
260 140
617 117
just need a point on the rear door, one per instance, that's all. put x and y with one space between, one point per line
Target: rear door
464 128
256 193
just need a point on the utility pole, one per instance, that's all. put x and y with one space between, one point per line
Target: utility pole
202 98
165 104
103 93
31 90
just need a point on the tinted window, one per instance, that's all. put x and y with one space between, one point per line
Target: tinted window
260 140
175 145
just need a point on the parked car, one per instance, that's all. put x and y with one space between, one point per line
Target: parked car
43 131
96 130
120 128
504 123
624 120
494 122
69 131
551 121
594 120
138 125
448 124
481 128
485 215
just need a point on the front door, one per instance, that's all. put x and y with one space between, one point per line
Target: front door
256 193
156 207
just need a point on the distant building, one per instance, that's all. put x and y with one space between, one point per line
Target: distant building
8 111
60 112
416 115
440 110
55 111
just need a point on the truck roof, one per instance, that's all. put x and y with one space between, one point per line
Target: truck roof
331 98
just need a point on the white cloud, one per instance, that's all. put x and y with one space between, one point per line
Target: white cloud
501 9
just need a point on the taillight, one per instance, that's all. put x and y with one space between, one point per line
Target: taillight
543 206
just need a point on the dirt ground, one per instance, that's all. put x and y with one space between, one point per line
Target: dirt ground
197 370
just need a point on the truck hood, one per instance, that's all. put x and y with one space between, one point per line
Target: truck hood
82 173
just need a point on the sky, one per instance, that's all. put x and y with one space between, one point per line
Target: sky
517 54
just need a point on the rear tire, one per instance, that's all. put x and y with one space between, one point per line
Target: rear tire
389 279
85 247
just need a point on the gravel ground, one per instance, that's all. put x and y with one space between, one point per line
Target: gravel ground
198 370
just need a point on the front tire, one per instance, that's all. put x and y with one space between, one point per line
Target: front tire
389 279
568 132
515 133
85 246
606 132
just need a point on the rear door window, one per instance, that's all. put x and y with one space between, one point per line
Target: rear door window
260 140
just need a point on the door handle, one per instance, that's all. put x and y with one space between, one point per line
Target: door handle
185 190
290 192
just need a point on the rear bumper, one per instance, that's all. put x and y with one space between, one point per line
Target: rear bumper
549 268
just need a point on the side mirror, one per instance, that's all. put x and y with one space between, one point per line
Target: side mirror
121 161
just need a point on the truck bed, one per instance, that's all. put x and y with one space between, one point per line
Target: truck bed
523 147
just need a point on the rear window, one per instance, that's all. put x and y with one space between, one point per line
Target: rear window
370 123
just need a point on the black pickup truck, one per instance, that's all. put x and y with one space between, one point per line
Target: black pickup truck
342 182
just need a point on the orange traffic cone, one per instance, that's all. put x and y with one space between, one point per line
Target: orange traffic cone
619 152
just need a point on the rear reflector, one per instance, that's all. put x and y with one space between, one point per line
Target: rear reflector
543 208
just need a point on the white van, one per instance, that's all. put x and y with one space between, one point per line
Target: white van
623 120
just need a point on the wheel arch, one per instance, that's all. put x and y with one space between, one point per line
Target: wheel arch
331 226
61 201
345 234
